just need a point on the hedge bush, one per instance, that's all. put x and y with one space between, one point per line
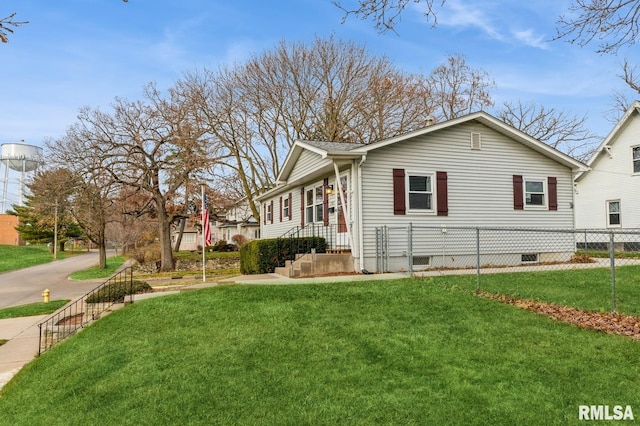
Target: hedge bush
115 292
263 256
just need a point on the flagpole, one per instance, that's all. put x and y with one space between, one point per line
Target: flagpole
204 244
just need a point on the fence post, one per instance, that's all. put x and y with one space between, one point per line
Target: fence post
612 265
410 249
386 248
477 259
377 250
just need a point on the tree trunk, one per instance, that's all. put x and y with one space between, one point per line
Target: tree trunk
183 222
164 231
103 253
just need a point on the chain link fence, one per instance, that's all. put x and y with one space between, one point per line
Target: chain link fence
438 250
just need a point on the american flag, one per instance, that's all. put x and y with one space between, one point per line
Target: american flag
206 224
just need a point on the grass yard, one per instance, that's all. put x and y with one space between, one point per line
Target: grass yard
32 309
588 289
18 257
415 351
113 263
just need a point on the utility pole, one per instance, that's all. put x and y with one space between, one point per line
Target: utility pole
55 232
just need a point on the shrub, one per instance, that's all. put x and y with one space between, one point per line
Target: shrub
115 292
239 240
263 256
223 246
147 254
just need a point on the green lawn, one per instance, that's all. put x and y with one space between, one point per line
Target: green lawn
31 309
588 289
416 351
113 263
18 257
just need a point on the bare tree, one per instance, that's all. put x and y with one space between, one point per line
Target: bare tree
92 206
558 129
459 89
152 147
330 90
618 106
612 24
6 25
386 14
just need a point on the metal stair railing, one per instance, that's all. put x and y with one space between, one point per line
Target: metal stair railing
79 313
291 244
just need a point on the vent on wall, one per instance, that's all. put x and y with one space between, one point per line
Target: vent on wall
529 258
475 141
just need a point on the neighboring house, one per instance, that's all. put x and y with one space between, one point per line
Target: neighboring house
238 220
471 171
608 195
191 238
8 233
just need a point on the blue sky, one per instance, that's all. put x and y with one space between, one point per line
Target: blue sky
76 53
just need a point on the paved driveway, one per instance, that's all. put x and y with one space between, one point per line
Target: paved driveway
26 285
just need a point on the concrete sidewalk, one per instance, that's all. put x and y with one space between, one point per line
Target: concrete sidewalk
22 346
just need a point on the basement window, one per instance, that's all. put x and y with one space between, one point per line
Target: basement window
421 260
529 258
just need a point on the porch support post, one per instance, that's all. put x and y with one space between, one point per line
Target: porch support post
347 217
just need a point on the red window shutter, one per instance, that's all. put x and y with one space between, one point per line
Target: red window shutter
399 204
302 206
280 209
290 205
518 197
552 185
442 193
325 203
265 213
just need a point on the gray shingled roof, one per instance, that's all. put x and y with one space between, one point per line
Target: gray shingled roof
334 146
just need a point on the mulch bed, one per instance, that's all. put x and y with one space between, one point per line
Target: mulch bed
71 320
612 323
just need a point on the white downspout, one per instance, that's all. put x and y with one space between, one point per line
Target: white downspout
360 224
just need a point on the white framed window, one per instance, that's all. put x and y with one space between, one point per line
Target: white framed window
188 238
285 207
314 199
420 192
635 155
269 212
613 213
535 192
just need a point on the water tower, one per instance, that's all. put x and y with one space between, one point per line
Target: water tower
21 158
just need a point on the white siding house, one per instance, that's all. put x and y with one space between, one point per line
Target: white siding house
238 220
471 171
608 195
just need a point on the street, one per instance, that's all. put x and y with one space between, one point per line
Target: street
26 285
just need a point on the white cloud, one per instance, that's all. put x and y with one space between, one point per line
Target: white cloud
530 39
459 15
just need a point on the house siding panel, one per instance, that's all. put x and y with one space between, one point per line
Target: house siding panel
308 161
278 229
611 178
480 182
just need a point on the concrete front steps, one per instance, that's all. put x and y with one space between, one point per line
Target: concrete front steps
314 264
